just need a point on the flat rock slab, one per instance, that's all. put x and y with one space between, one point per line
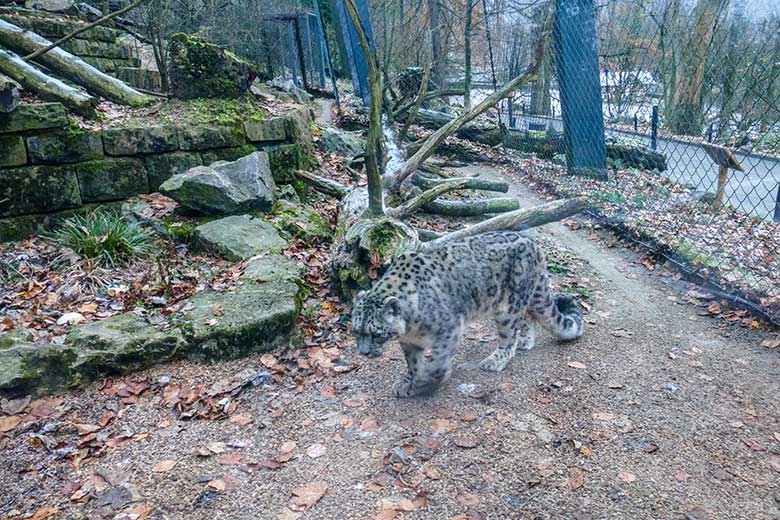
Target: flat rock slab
271 268
26 367
120 344
225 188
239 237
341 142
257 317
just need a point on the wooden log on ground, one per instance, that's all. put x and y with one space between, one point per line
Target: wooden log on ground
471 207
70 66
519 220
484 134
472 183
50 89
323 185
9 94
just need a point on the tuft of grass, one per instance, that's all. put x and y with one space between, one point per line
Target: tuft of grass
104 237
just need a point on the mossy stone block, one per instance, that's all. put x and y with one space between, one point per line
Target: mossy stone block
38 189
111 179
33 117
285 159
227 154
162 167
267 130
64 148
12 151
206 137
134 141
238 237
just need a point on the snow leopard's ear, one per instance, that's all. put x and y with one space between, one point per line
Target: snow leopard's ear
392 307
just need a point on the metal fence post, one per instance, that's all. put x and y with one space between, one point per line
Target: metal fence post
576 46
654 128
326 50
777 205
293 53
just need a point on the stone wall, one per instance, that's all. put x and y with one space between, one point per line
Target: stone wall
49 167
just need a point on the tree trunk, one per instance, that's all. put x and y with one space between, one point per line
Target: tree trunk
71 66
489 135
467 55
471 208
686 117
9 94
50 89
434 21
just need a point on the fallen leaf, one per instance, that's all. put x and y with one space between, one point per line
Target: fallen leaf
432 472
443 426
71 318
777 436
241 419
625 476
286 451
615 386
369 425
576 478
140 511
466 441
328 392
163 466
603 416
467 499
771 343
88 308
316 450
774 461
355 402
386 514
230 459
9 423
577 364
44 513
306 496
218 485
681 476
216 447
86 429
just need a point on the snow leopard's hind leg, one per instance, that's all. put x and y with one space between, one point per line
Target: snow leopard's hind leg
424 376
515 332
560 313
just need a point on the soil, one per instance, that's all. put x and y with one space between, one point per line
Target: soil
658 412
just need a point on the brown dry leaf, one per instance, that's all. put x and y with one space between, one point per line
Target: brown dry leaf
626 476
603 416
140 511
306 496
576 478
469 416
443 426
777 436
230 459
43 513
403 504
217 310
268 360
432 472
681 476
615 386
216 447
241 419
328 392
88 308
713 308
468 499
218 485
286 451
355 402
9 423
316 450
86 429
771 343
577 364
467 441
163 466
774 461
369 425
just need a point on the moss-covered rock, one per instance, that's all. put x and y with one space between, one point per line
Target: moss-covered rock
33 117
201 69
341 142
257 317
239 237
120 344
29 368
134 141
267 130
206 137
286 158
38 189
226 154
301 222
271 267
111 179
225 188
161 167
12 151
65 147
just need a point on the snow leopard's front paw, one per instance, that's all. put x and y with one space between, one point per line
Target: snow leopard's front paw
495 362
404 389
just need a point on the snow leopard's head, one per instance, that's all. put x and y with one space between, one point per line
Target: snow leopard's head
376 319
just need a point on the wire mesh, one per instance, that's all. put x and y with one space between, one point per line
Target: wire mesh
711 75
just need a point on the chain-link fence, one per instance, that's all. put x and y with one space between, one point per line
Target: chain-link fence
689 94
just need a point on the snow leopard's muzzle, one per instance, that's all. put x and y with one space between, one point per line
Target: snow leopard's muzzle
368 346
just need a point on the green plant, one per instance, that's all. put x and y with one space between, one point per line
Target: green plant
105 237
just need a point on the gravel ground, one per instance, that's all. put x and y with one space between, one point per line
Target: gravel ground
656 413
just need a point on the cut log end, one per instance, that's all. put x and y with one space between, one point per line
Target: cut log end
9 96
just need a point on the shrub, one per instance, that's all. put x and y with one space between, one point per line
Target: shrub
107 238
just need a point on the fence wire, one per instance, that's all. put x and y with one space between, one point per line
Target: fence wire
690 96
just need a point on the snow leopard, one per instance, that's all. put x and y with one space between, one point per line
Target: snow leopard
427 297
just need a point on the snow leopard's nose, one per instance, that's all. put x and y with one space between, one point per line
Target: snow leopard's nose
365 346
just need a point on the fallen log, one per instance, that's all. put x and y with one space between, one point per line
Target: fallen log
323 185
472 183
484 134
49 88
472 207
9 94
519 220
70 66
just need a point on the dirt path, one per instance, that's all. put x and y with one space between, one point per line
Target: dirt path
657 413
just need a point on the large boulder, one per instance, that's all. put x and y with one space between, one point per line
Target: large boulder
340 142
120 344
27 368
225 188
239 237
201 69
301 222
258 316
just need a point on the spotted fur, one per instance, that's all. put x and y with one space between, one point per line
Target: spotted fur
426 298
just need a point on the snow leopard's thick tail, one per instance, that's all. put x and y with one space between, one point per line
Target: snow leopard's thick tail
559 312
